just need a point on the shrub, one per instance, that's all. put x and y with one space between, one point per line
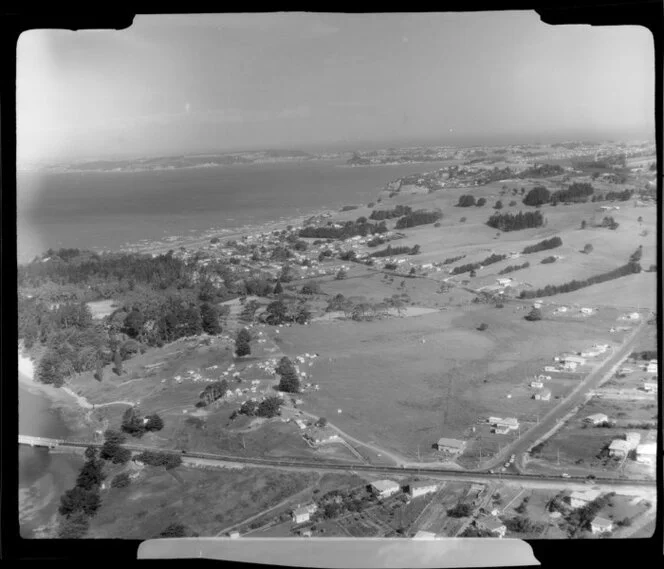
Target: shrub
121 481
481 202
483 326
463 220
466 200
543 245
537 196
534 315
547 260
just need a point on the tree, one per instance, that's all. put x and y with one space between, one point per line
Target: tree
415 250
132 423
290 383
79 500
499 205
174 530
537 196
341 275
481 202
322 422
460 511
587 248
74 526
483 326
122 480
50 369
533 315
462 220
583 224
90 475
466 200
640 220
210 319
117 361
278 289
242 347
154 423
133 324
114 437
269 407
91 453
311 287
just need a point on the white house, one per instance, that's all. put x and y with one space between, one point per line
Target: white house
504 282
650 386
492 524
652 367
550 368
300 423
544 395
579 499
601 525
596 419
579 361
451 446
301 515
538 384
592 353
619 448
421 488
646 453
384 488
509 423
586 311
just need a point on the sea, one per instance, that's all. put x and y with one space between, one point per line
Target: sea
43 476
112 210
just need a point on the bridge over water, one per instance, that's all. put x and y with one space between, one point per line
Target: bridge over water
39 441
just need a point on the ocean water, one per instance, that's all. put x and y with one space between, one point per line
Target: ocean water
112 209
43 477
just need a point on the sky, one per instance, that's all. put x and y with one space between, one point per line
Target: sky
180 84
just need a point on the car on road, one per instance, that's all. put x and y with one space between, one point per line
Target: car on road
565 475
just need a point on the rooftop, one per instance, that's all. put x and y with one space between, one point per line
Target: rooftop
452 443
602 522
382 485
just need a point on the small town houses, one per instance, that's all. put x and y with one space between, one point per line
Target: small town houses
597 419
601 525
544 395
303 514
503 426
579 499
619 448
493 525
646 453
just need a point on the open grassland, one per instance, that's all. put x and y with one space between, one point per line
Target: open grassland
202 500
404 382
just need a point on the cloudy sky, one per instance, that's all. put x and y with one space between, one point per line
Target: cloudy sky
199 83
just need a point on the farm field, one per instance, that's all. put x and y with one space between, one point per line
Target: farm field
204 501
456 375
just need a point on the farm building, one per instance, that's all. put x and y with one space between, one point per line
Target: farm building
511 423
579 361
322 435
550 368
646 453
633 439
596 419
544 395
652 366
592 353
538 384
650 386
492 524
601 525
579 499
424 535
300 423
586 311
303 513
421 488
619 448
234 534
384 488
451 446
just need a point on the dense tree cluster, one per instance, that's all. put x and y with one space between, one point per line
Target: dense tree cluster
280 312
576 192
451 260
549 290
466 200
543 245
465 268
268 408
512 268
398 211
136 426
644 355
346 231
168 460
242 343
539 195
542 171
376 241
389 251
609 222
419 217
515 222
460 510
214 391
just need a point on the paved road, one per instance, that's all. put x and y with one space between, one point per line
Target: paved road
549 421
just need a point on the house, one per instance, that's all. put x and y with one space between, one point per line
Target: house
322 435
301 515
579 499
510 423
234 534
586 311
619 448
492 524
538 384
544 395
421 488
570 366
652 366
424 535
590 353
543 377
300 423
306 533
503 430
384 488
633 439
650 386
550 368
601 525
579 361
596 419
451 446
504 282
646 453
